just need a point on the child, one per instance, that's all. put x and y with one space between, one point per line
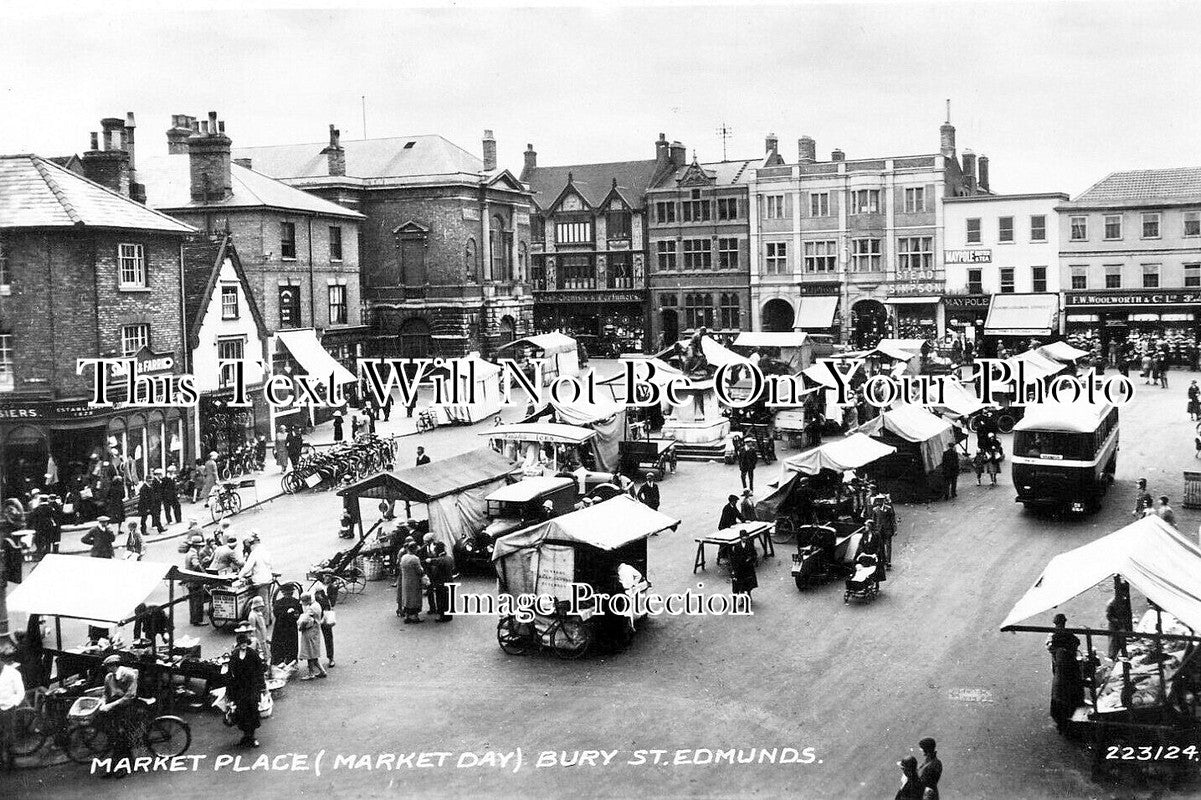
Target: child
133 542
978 465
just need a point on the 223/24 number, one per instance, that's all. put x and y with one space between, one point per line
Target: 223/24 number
1161 753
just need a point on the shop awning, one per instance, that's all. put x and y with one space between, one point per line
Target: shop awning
1037 366
540 432
852 452
1062 352
816 311
312 357
103 590
1022 315
912 300
781 339
958 399
819 373
434 480
546 342
1149 554
605 526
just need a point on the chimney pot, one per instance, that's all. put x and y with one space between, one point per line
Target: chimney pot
838 155
982 173
678 154
129 119
221 127
95 140
969 170
531 161
771 144
210 163
335 154
806 150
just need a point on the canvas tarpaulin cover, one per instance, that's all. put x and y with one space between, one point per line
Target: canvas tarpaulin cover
1149 554
852 452
607 418
605 526
915 424
455 516
1062 352
102 590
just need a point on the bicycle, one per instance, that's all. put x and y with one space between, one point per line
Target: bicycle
568 636
225 501
82 740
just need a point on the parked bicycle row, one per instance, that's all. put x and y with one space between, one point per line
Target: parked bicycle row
341 464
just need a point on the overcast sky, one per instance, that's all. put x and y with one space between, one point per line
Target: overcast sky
1056 94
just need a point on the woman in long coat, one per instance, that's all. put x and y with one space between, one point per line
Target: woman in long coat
310 642
258 627
409 590
207 480
286 610
245 688
742 567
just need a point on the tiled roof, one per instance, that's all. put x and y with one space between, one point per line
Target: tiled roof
393 157
594 181
724 173
168 184
1145 186
38 193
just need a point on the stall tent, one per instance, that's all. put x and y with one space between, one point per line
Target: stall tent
104 591
606 417
560 354
1062 352
915 424
853 452
478 380
453 490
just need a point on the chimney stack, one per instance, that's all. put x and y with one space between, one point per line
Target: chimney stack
806 150
969 170
947 135
662 151
489 151
137 191
334 153
771 144
209 157
531 161
838 155
107 163
982 173
182 126
678 154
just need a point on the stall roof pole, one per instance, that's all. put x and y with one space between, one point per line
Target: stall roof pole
171 630
1163 680
1092 678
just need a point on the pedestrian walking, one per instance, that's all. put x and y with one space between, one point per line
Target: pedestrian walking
12 695
295 445
950 472
411 405
911 784
244 689
441 572
114 500
169 490
1147 364
387 407
192 563
150 504
1164 511
356 424
1119 617
1163 373
422 458
329 618
978 462
648 493
1194 401
1142 499
930 771
746 506
257 618
310 645
1065 674
743 579
101 538
281 448
747 460
286 611
337 426
411 585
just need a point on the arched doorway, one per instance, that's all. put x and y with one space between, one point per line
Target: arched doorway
670 319
869 323
506 331
415 341
26 452
778 316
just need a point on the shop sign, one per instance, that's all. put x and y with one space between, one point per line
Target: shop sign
1152 297
824 288
151 363
917 282
967 256
46 410
590 297
967 302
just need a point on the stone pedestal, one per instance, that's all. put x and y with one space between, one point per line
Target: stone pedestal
698 420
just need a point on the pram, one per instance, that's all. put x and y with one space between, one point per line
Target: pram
864 584
338 574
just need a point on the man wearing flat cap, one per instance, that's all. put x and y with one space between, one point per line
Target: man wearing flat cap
120 699
101 538
193 563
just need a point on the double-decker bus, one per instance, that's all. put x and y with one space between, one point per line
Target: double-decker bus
1065 455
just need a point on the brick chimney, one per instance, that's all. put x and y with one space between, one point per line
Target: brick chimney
946 134
969 170
137 191
209 157
771 144
662 151
182 126
838 155
334 153
489 151
531 161
982 173
107 163
806 150
678 154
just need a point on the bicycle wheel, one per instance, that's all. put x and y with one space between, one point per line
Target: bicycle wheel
233 503
784 531
571 639
28 732
1005 423
215 508
14 512
307 451
356 583
168 736
84 742
288 483
510 637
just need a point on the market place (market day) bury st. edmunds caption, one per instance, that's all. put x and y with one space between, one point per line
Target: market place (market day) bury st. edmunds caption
591 442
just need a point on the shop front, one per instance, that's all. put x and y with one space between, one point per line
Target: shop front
1139 318
49 444
966 315
915 299
606 322
819 309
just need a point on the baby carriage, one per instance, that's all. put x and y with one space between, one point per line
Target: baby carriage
339 574
864 584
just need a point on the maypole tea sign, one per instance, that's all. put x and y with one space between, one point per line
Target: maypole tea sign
967 256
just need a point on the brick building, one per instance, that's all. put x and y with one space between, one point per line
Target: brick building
300 253
853 246
445 239
1130 259
699 247
589 247
85 272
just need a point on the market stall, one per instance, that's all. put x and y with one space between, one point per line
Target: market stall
478 385
920 438
453 491
544 448
559 354
1152 692
812 485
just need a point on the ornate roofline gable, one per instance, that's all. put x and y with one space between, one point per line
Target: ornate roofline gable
568 191
615 192
505 179
695 175
411 228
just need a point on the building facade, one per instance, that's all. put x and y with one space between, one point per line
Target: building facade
588 255
853 246
85 272
1130 258
699 252
996 244
445 240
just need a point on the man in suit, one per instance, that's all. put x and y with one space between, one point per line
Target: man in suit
100 538
169 489
730 515
950 472
150 504
648 494
422 458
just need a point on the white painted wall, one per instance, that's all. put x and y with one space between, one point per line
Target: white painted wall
204 359
1021 254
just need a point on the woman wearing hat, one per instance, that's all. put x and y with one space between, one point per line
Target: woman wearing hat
193 562
911 784
245 688
257 620
286 611
410 589
310 643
